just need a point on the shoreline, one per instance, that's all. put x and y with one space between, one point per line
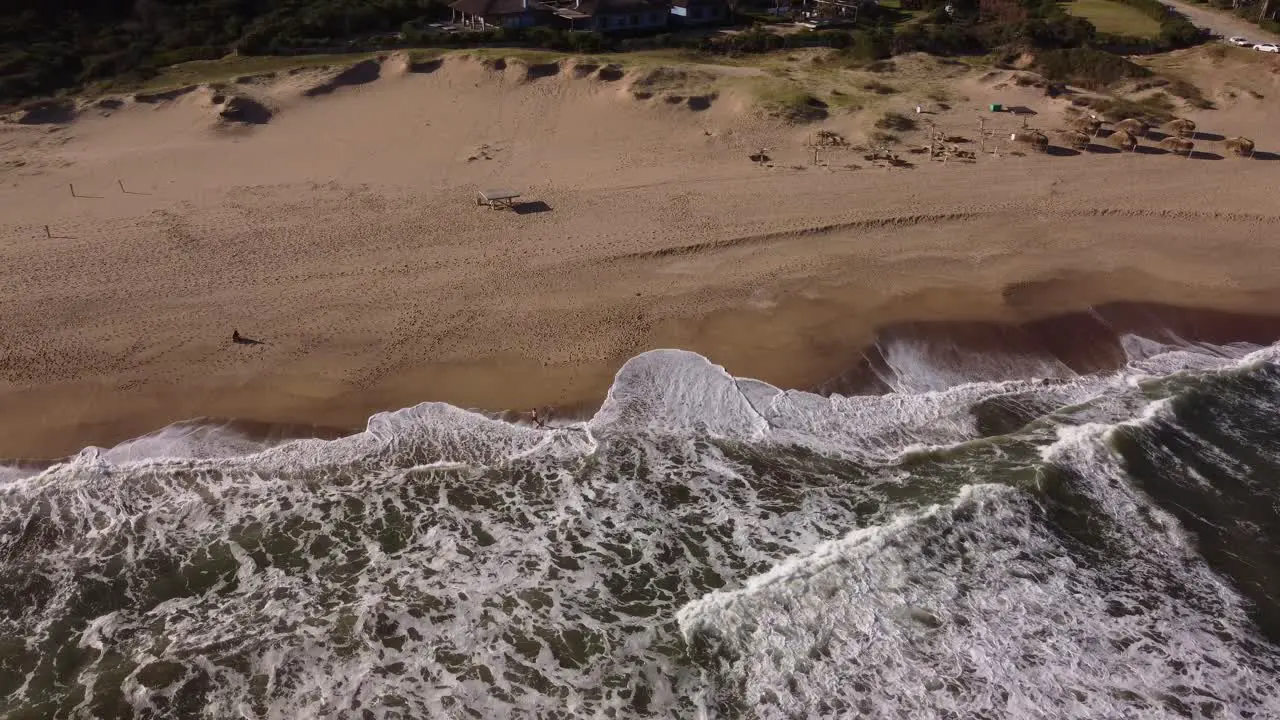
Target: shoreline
1081 341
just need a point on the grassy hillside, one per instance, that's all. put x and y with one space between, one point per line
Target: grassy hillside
1112 17
55 46
46 45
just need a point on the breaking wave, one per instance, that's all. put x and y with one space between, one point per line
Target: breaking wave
1037 543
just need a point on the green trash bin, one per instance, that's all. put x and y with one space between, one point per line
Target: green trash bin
997 107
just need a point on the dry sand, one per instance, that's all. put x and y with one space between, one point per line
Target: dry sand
334 219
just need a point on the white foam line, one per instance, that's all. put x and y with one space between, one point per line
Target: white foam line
692 381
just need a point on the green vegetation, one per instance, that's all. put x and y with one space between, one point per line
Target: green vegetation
786 98
53 46
229 68
1175 30
1190 93
1153 111
895 121
879 88
1087 67
46 45
1113 17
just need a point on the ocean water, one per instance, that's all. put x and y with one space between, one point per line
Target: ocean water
1044 544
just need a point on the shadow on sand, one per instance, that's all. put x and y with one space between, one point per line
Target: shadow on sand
530 208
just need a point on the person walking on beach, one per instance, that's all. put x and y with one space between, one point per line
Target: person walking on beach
536 419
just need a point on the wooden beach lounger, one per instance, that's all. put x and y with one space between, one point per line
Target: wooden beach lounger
497 198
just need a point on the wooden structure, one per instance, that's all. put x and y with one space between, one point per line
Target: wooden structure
944 147
611 15
698 12
484 14
498 198
832 9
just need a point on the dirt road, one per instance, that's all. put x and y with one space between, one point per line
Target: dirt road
1222 24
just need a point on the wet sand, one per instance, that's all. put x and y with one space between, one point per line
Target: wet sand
1051 348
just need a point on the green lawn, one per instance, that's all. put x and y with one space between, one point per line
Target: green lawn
1112 17
904 17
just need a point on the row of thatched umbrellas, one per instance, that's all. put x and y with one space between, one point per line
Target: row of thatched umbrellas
1083 130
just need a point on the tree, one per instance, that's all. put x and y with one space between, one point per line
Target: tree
1006 12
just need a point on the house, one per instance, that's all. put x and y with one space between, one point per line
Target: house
614 15
482 14
838 10
699 12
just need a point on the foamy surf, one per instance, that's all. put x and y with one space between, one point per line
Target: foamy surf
704 545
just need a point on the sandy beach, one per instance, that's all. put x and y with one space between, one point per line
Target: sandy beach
334 219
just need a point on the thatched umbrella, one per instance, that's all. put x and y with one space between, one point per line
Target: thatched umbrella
1178 145
1181 127
1240 146
1087 125
1036 139
1133 126
1074 139
1123 139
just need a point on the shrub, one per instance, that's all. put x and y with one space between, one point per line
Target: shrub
871 46
173 57
1190 93
1178 32
1087 67
1115 109
895 121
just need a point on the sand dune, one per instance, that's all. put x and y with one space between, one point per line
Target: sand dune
331 213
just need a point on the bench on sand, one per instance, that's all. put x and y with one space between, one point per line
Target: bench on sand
497 198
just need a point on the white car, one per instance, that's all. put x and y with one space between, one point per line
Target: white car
1267 47
1240 41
